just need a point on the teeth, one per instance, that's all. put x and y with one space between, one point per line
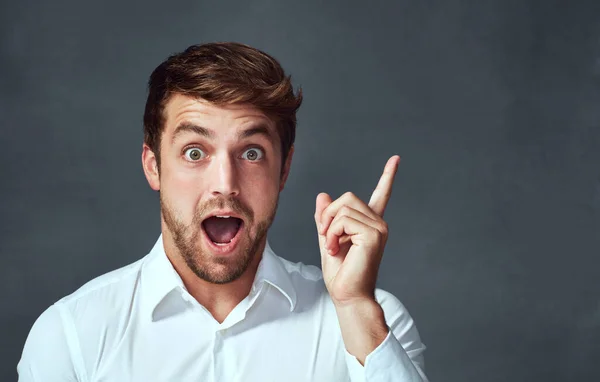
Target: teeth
221 216
222 244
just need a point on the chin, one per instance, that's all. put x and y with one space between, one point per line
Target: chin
218 268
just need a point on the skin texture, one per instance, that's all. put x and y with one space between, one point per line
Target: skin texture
199 175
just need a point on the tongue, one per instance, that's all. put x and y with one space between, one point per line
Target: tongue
221 230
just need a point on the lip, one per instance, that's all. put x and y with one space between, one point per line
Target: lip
231 246
224 213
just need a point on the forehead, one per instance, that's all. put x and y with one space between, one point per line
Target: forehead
223 119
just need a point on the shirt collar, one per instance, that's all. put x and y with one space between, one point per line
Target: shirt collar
159 278
272 270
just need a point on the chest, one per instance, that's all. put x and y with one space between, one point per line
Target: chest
280 350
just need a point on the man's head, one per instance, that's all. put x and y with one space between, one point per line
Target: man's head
219 128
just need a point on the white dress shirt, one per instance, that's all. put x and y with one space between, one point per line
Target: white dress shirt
139 323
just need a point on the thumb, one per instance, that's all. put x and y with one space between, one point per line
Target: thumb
323 200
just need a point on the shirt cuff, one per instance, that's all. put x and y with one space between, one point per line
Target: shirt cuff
388 362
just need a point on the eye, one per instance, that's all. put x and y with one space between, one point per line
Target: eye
193 154
253 154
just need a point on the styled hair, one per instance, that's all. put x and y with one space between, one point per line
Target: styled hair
223 74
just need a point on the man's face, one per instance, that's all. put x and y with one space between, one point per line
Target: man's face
223 161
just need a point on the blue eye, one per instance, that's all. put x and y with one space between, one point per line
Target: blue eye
193 154
253 154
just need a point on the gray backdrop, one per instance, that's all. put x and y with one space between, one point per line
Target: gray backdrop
494 107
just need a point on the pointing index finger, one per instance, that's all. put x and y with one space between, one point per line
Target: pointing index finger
383 191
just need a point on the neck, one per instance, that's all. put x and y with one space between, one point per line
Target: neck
218 299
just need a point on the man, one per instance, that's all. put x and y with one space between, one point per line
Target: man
212 301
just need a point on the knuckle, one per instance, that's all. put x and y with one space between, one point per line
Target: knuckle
349 194
378 234
332 224
344 211
338 218
332 218
384 229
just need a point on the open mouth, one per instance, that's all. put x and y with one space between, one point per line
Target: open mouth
222 230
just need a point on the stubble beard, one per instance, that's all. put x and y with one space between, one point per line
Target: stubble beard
188 239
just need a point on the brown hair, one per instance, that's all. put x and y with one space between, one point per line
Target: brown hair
223 73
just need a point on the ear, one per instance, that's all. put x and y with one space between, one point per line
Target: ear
286 168
150 166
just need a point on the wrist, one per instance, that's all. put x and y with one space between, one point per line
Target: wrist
363 327
367 312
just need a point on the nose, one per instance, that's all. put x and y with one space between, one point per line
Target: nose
223 178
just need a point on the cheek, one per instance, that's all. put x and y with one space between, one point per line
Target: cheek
263 196
182 190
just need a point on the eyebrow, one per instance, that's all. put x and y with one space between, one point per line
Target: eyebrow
258 129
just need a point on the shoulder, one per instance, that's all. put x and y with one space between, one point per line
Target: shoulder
47 351
102 296
54 343
97 294
99 307
107 283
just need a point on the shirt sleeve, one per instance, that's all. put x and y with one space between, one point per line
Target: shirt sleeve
47 355
399 358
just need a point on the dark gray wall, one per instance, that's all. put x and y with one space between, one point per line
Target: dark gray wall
493 106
